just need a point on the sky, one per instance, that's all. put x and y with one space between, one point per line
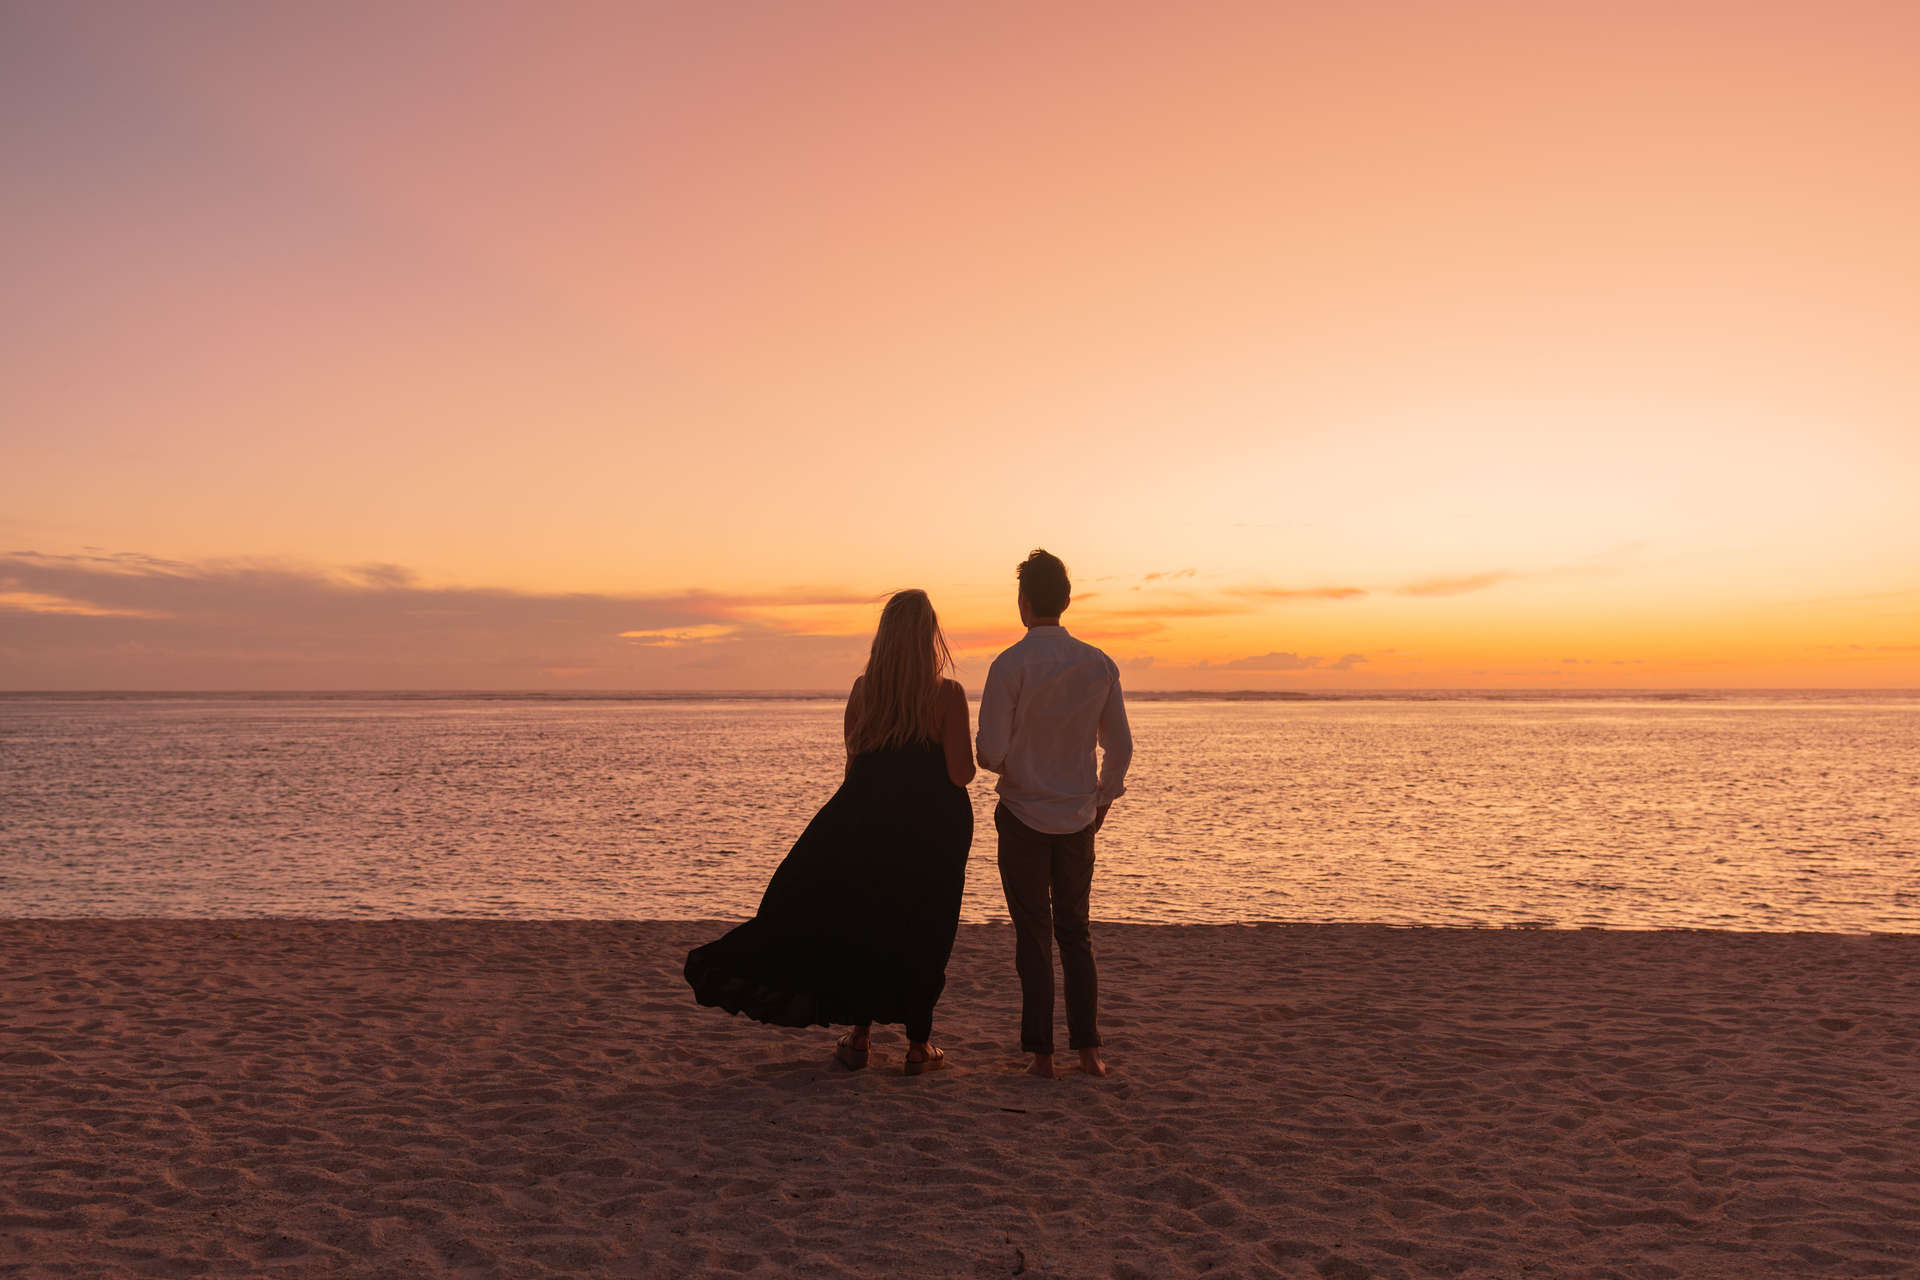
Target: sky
649 346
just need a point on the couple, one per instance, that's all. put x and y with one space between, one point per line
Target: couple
859 919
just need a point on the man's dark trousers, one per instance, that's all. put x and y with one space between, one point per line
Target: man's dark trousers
1048 879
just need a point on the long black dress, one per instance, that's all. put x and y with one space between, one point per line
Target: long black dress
859 919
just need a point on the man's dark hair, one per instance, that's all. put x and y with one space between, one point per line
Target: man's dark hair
1044 582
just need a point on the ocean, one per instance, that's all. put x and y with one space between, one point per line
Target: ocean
1702 810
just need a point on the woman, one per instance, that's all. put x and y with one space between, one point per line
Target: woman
858 922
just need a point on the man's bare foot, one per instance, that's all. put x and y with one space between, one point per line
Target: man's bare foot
1042 1066
1091 1064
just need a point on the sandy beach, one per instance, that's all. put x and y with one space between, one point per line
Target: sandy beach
526 1099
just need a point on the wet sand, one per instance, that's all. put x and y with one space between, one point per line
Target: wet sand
528 1099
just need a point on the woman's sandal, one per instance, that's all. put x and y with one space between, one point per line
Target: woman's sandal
849 1055
934 1061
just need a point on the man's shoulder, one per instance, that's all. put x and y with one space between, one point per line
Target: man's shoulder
1049 650
1024 647
1009 658
1093 653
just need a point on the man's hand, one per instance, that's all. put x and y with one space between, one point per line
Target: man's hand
1100 815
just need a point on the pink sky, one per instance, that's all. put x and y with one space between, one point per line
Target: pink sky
1371 345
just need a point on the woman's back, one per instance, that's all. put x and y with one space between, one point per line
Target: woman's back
940 724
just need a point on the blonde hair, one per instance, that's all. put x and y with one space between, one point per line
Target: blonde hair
899 694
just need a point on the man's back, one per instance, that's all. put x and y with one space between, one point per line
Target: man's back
1050 699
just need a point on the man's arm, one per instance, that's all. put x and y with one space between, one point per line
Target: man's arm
996 720
1116 750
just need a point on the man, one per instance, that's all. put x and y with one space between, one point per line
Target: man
1049 700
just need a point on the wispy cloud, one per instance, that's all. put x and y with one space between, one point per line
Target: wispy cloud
134 621
1281 594
16 601
1869 648
1902 593
1462 585
671 637
383 575
974 639
1248 598
1279 661
101 561
1185 608
1109 631
1599 564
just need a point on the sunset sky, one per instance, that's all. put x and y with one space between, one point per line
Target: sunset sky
1364 345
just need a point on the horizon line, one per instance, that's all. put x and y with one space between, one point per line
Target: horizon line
794 693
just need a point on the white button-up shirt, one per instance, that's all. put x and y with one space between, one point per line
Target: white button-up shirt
1049 699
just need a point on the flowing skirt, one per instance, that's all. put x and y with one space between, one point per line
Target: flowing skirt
858 922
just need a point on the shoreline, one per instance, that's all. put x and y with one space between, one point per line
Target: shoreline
1526 693
507 1097
720 925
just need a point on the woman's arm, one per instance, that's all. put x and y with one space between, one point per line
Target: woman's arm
955 738
851 718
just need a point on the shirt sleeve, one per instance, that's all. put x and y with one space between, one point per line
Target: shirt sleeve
996 720
1116 746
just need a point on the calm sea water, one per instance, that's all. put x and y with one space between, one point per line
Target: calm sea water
1725 812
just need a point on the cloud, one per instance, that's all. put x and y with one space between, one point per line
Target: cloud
1187 607
1168 575
1092 628
1278 661
1272 662
968 640
1900 594
130 621
1458 586
1600 564
1152 613
670 637
41 602
1119 631
1252 597
383 575
1870 648
1298 593
129 562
